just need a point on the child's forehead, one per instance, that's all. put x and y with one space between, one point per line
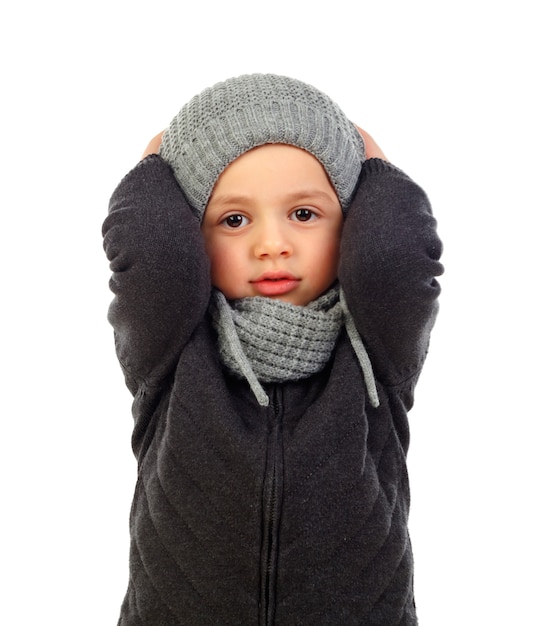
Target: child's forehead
279 173
276 159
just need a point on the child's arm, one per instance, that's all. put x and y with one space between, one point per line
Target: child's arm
389 260
160 271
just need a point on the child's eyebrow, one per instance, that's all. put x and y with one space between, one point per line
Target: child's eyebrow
311 194
229 199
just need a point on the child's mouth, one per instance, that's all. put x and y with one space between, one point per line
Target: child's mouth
275 284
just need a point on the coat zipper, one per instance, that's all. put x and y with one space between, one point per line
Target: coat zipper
271 516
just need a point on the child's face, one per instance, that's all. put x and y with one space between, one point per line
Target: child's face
272 226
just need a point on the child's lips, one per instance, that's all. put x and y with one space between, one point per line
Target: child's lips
275 283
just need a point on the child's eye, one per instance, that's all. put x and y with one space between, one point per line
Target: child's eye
235 221
303 214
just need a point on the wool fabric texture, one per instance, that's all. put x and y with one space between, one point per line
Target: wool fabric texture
230 118
280 341
271 341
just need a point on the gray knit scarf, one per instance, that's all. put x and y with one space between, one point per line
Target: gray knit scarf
267 340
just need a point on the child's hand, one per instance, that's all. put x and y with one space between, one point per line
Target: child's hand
372 149
154 146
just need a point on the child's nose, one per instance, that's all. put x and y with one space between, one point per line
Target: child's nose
272 241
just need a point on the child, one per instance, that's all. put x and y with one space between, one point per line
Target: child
274 297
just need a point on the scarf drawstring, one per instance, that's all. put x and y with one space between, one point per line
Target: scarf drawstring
226 325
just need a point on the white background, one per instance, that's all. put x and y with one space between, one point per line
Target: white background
454 94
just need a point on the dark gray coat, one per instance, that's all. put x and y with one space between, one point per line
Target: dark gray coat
294 513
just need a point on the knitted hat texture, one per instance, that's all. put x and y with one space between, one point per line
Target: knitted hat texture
230 118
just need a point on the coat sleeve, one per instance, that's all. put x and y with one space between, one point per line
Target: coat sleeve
160 272
389 262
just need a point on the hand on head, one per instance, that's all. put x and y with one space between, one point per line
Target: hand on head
154 146
372 149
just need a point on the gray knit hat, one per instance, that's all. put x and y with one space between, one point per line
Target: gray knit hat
230 118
